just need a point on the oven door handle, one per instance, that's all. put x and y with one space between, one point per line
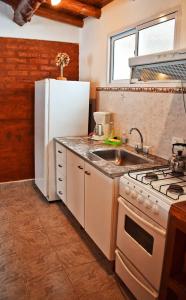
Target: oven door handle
154 228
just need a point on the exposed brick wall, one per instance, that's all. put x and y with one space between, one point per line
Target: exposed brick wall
22 62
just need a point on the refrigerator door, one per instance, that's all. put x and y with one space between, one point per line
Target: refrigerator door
41 135
68 116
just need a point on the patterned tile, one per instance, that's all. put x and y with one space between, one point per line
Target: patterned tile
89 278
113 293
52 286
27 246
35 268
75 254
62 235
7 245
44 253
52 218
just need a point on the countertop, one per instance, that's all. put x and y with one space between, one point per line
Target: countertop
83 147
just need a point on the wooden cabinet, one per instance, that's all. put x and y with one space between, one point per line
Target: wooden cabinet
173 285
100 209
75 186
61 153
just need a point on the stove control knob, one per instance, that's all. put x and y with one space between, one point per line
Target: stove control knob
134 195
148 204
155 209
140 199
127 190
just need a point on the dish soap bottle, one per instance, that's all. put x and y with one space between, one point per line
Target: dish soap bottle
124 138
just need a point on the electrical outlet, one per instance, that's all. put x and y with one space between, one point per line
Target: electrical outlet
177 140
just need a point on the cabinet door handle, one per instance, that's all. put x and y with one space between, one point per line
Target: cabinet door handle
80 167
60 166
60 193
60 151
87 173
60 179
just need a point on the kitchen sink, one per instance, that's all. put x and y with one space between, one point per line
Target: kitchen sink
121 157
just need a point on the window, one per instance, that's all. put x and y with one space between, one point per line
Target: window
141 40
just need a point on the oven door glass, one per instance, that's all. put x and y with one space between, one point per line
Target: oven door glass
141 236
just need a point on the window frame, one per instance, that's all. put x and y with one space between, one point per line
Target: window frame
135 30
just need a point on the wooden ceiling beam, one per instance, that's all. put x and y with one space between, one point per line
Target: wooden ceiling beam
25 10
79 8
105 2
59 16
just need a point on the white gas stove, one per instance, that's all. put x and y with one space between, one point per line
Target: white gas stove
144 204
154 191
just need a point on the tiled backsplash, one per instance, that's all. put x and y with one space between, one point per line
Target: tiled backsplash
159 116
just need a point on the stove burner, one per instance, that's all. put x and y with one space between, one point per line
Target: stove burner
175 189
151 176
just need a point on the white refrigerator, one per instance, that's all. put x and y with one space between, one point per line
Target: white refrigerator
61 109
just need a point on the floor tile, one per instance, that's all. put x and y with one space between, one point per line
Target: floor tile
52 218
51 286
113 293
62 235
74 254
31 244
10 267
89 278
45 254
35 268
7 245
25 223
14 290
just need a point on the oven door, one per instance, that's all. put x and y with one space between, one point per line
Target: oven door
142 241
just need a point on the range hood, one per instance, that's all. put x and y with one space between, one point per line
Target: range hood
169 65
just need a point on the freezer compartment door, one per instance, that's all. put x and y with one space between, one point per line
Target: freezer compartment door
69 106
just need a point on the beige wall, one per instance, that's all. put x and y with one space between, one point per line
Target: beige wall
159 116
39 28
115 16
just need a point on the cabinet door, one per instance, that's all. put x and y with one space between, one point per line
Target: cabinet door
75 186
99 197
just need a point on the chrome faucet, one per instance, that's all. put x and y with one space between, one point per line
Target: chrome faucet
138 148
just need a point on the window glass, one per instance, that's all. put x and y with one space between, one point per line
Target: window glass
141 236
123 49
151 37
156 38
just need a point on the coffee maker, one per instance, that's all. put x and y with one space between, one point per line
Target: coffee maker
102 127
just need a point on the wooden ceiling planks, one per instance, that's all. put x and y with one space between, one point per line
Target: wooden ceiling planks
67 11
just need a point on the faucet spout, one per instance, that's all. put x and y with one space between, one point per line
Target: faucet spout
141 138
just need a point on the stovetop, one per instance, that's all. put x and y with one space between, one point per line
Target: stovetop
172 186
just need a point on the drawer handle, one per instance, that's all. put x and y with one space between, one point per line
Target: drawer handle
60 193
87 173
60 166
80 167
60 151
60 179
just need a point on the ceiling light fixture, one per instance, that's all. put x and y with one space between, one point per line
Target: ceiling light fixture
55 2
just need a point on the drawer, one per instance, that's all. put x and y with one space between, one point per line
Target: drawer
60 178
60 154
61 171
61 189
133 279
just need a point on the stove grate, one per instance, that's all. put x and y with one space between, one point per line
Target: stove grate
167 174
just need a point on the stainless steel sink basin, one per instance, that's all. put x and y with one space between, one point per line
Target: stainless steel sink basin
121 157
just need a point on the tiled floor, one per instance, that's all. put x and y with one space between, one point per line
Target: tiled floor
44 254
